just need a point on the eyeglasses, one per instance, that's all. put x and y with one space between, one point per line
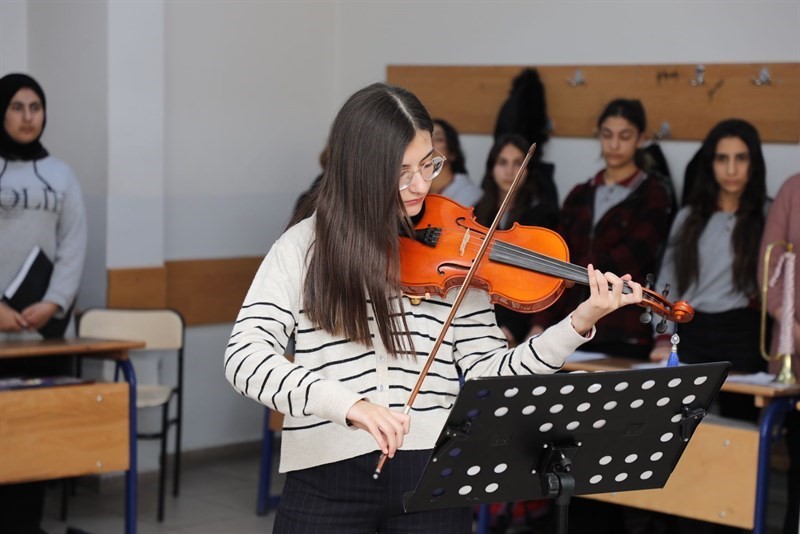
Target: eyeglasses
429 170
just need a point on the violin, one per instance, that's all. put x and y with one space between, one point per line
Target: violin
526 269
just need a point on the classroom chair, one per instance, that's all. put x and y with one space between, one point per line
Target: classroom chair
161 330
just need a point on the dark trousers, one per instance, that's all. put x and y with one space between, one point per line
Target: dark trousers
342 497
21 507
731 336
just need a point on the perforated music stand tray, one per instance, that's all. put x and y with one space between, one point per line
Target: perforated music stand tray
554 436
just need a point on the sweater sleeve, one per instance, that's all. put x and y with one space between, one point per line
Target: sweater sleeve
481 350
255 364
71 241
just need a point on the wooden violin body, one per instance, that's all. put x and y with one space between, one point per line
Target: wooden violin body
447 239
526 268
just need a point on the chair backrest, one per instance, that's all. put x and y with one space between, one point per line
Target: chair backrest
160 329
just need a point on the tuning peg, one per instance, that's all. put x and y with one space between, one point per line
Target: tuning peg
645 317
661 327
650 281
665 292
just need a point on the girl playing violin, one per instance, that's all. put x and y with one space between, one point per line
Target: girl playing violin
333 281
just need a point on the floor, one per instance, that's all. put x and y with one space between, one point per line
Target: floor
218 495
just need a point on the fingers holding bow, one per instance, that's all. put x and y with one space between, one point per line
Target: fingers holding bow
387 427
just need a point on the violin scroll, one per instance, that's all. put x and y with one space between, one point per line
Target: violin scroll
679 311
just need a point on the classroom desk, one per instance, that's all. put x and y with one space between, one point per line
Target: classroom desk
94 422
717 460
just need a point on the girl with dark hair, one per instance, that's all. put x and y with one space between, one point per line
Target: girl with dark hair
618 220
525 113
527 209
40 206
712 255
453 182
333 281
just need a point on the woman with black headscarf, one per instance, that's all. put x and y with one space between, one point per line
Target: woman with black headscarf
41 209
40 206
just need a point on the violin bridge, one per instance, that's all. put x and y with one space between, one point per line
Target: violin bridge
464 242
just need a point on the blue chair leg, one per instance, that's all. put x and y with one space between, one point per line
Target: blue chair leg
265 501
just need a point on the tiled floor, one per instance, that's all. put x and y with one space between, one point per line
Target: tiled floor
218 496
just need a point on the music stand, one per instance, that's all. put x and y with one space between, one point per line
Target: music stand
519 438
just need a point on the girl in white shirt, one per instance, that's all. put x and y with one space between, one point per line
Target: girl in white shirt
333 280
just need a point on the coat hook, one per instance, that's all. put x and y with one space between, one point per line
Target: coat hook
699 76
664 132
577 79
763 77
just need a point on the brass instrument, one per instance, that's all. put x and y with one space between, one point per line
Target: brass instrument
785 376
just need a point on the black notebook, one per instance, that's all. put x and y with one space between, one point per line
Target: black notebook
29 287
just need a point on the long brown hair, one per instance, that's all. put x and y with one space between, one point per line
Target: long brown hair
703 203
355 260
486 208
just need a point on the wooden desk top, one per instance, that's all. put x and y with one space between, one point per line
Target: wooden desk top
623 364
99 348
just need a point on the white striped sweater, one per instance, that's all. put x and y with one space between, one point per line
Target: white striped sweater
329 374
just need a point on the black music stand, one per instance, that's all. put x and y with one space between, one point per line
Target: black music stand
554 436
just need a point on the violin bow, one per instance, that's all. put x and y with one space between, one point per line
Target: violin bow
461 294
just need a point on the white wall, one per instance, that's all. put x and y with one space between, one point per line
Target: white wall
248 91
249 102
248 105
135 233
13 36
70 64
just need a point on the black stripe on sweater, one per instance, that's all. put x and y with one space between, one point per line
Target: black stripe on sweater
280 386
536 355
225 367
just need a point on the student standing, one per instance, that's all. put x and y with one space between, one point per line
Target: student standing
527 208
40 206
618 221
712 256
453 180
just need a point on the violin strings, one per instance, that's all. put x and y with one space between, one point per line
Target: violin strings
550 266
525 258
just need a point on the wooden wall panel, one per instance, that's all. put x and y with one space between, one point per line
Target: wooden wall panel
144 287
470 97
205 291
211 290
